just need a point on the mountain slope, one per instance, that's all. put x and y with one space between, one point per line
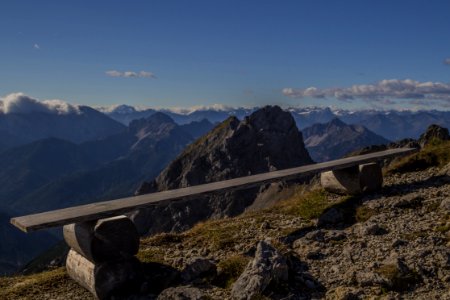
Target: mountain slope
334 139
82 125
28 167
16 247
266 140
152 144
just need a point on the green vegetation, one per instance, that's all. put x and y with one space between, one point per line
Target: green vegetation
152 254
164 239
230 269
217 234
436 154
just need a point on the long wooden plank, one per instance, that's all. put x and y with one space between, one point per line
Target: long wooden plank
120 206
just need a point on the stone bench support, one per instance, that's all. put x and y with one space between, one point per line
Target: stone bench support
353 180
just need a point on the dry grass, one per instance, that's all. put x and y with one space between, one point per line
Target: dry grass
434 155
230 269
306 204
53 284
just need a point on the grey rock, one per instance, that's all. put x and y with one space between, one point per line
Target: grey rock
367 278
198 267
409 201
332 216
371 228
268 266
182 293
445 204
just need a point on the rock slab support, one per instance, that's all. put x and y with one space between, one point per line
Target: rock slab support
353 180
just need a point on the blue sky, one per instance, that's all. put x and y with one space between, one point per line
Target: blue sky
229 52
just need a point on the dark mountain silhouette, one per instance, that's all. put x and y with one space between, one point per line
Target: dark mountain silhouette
334 139
87 124
146 147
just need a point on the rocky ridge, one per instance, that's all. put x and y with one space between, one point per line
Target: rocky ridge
267 140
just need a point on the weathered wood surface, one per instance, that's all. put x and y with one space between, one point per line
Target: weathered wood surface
106 279
121 206
105 240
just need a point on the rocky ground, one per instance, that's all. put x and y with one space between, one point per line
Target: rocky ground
315 245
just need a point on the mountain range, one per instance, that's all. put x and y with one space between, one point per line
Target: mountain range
19 128
391 124
334 139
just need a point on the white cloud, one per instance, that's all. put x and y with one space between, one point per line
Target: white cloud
130 74
447 61
383 90
36 46
21 103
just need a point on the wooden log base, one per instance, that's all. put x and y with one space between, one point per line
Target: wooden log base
106 279
354 180
104 240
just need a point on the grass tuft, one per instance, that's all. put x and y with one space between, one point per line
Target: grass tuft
434 155
308 205
230 269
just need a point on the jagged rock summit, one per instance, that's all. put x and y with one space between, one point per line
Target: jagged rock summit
266 140
434 132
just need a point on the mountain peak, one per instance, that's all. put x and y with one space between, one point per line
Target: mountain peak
267 140
337 122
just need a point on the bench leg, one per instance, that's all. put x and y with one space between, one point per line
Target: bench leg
353 180
102 256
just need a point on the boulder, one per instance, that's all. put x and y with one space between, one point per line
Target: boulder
353 180
268 267
332 216
198 267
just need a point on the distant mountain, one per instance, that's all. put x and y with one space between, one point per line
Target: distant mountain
392 124
396 125
77 126
198 128
266 140
305 117
126 113
26 168
142 151
334 139
17 248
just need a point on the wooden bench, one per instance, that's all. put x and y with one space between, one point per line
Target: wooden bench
104 242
